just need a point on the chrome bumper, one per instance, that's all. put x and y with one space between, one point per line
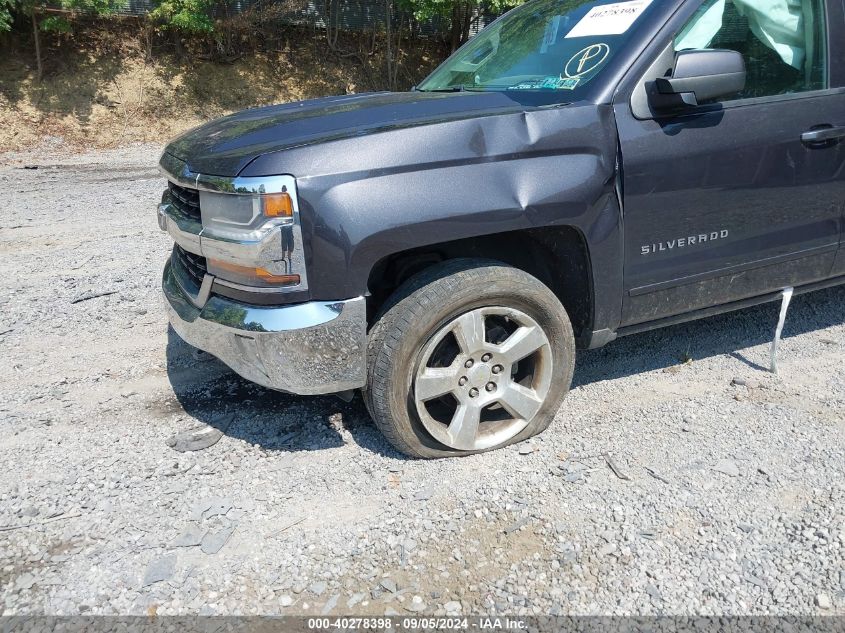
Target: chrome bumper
306 348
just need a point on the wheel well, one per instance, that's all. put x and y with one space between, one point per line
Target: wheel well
557 256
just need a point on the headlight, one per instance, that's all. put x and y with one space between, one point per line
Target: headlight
244 217
250 231
247 228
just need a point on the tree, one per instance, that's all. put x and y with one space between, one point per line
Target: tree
55 19
460 15
6 7
190 17
183 16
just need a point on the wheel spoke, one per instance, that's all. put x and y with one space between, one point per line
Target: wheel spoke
520 402
463 428
469 330
524 341
434 382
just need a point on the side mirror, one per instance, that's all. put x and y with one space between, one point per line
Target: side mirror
699 75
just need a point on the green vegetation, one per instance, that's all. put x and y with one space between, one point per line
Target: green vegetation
188 16
459 15
55 20
6 7
199 24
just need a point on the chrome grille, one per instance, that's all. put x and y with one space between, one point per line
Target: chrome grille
193 265
186 200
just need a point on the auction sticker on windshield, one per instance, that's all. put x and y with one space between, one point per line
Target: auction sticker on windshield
609 19
586 60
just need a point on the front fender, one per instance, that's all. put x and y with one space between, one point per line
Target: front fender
364 199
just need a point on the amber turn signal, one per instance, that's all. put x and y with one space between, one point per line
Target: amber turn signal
249 273
278 205
287 280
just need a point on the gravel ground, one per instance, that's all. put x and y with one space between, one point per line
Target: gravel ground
731 499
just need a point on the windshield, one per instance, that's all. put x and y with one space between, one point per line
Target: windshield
542 45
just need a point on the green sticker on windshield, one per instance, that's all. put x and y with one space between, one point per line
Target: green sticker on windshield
548 83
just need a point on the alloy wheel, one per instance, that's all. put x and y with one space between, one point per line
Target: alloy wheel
482 378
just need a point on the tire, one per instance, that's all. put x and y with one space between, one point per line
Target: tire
426 339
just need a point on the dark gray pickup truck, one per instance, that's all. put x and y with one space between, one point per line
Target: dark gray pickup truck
578 171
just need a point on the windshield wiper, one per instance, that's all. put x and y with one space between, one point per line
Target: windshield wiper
458 88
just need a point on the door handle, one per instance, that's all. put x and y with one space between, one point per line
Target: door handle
823 135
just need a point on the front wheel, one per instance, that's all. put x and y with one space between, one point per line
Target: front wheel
468 356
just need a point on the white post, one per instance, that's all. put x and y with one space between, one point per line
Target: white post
787 295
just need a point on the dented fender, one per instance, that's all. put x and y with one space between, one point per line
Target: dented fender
363 198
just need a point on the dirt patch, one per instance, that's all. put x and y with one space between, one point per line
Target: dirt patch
105 92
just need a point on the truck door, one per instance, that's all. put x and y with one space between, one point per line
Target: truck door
836 18
743 196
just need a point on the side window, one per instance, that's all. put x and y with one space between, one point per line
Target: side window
782 41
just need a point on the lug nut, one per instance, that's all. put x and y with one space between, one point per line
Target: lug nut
486 357
469 363
473 392
491 386
462 381
497 369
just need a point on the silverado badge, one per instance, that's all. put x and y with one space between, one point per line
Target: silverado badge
683 242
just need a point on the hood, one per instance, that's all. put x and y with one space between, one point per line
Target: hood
224 147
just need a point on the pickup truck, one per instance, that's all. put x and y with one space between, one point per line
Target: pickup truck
579 170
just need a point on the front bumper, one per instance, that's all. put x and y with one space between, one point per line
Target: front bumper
306 348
